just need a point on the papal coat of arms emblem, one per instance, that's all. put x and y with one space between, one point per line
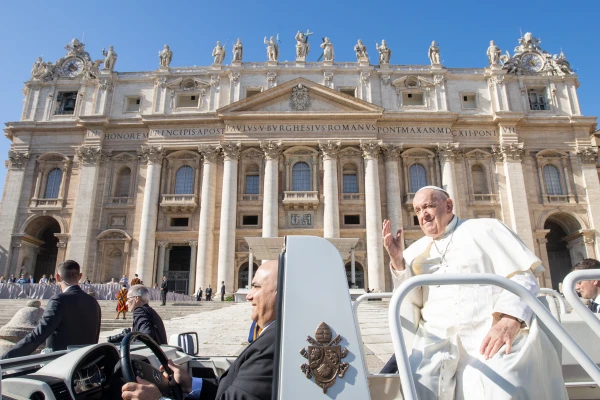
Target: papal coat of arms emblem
324 358
300 100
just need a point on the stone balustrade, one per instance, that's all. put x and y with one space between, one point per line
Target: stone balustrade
179 202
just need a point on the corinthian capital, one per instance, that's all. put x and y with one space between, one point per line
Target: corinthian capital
231 151
330 149
371 149
92 155
587 155
151 154
449 151
508 152
17 160
392 151
209 152
271 149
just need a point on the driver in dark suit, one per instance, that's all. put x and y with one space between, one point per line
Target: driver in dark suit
251 375
71 318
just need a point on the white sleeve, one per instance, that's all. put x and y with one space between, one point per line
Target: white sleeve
415 296
511 304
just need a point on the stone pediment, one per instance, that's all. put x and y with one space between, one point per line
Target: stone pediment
300 96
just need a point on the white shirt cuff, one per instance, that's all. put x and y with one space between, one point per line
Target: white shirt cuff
196 389
511 304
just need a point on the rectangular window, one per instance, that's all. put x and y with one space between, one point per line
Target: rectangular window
250 220
413 99
65 103
250 91
352 219
132 104
180 221
349 91
415 220
187 100
350 183
469 101
538 100
251 184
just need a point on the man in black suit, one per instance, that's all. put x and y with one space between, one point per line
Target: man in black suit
163 291
71 317
208 293
145 318
589 290
222 290
251 375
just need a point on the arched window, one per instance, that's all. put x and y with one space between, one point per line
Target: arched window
301 177
479 180
123 183
350 179
418 177
252 179
53 184
552 180
184 180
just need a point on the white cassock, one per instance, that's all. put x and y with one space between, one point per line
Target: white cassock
445 359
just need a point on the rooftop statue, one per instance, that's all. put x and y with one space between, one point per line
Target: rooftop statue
327 46
38 68
272 49
110 58
493 53
165 56
361 51
238 51
385 54
302 46
218 54
434 53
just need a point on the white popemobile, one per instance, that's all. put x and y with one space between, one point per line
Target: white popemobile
320 348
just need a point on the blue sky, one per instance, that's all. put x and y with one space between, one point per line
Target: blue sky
139 29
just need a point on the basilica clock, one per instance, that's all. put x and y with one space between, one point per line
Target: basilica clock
532 62
72 67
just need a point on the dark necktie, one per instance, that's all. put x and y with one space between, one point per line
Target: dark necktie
593 306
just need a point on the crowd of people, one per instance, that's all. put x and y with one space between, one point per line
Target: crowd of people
488 345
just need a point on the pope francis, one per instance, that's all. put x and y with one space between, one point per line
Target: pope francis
473 342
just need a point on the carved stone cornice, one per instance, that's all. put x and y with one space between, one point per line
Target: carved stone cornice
160 82
231 151
330 149
439 80
209 153
92 155
151 154
17 160
449 152
271 149
392 151
587 155
234 77
106 84
163 244
193 243
508 152
371 149
215 80
542 241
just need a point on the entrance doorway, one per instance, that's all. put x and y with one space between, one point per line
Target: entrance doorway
45 262
359 274
558 253
243 275
178 275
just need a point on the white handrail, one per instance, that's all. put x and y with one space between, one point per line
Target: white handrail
406 379
569 291
561 302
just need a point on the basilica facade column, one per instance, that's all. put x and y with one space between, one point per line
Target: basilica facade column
231 153
193 255
270 217
17 163
204 257
449 153
392 185
160 268
153 156
83 213
373 219
331 217
511 156
588 156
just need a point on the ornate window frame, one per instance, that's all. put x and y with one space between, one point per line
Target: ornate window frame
413 84
45 164
118 162
190 87
485 159
559 160
250 157
298 154
418 155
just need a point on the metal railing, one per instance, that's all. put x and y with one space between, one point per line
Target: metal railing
249 197
557 198
180 198
483 198
561 302
406 379
568 288
302 196
353 196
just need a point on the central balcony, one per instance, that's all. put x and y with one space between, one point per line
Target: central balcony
179 202
301 200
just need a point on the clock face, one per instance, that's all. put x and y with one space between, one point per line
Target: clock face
72 67
532 62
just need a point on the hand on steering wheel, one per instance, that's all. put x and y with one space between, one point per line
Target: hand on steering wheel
133 369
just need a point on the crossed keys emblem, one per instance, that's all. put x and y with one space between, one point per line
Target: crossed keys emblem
324 358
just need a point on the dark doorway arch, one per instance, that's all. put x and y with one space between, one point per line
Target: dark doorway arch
359 272
243 275
558 253
178 275
44 229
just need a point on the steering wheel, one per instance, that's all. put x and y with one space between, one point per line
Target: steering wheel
133 368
